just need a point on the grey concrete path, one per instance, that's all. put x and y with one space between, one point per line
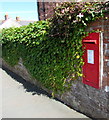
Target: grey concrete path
18 103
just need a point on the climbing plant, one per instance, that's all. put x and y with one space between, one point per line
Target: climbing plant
52 50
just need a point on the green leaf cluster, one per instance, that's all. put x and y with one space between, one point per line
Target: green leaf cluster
52 50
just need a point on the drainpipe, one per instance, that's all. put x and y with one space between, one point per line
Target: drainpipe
43 9
38 10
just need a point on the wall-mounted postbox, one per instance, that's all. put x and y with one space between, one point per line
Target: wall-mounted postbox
91 67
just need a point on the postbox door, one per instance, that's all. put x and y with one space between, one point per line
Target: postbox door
91 60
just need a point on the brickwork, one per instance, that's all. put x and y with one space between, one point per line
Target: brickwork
86 99
46 9
103 26
106 50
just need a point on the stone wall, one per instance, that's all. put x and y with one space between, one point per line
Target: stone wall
20 70
86 99
83 98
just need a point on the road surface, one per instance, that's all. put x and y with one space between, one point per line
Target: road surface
19 101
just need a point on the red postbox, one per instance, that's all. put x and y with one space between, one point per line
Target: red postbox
91 67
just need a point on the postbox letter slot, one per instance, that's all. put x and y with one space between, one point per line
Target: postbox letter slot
90 41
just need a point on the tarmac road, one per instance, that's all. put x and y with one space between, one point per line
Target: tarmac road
20 100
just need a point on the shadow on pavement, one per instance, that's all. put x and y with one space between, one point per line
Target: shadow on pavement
29 87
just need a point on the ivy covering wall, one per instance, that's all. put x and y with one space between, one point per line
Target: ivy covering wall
51 50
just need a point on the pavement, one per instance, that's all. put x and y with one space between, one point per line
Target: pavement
21 99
